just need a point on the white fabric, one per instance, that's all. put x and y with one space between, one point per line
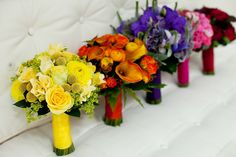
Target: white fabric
197 121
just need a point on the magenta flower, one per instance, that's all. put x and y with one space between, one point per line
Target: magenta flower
203 31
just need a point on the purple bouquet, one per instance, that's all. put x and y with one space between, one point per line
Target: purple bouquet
167 34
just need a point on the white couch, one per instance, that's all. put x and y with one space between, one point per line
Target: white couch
198 121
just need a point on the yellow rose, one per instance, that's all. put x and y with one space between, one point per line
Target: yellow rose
37 88
45 81
46 63
81 71
27 75
59 74
58 100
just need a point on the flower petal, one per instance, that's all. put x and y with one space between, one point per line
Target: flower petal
129 72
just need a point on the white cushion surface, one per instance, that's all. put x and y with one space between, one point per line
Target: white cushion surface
197 121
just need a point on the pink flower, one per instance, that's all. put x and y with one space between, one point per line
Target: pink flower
203 30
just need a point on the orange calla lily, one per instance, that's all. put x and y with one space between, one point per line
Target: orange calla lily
135 50
129 72
95 52
118 55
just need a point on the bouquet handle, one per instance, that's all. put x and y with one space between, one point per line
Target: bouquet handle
62 141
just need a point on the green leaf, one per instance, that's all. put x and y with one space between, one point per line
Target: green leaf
125 96
44 110
176 5
215 43
113 29
112 97
231 19
119 17
74 112
225 40
171 64
147 4
144 86
133 95
154 5
137 9
22 104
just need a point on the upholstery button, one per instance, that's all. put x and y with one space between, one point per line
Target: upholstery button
31 32
164 146
81 19
10 65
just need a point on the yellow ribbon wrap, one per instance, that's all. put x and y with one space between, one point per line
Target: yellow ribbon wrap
63 144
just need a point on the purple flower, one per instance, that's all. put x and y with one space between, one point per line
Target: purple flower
173 21
142 24
121 27
137 27
157 38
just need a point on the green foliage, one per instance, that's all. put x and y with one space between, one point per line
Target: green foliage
215 43
225 41
154 5
112 96
133 95
13 78
137 9
170 65
44 110
34 63
125 96
88 106
74 112
22 104
144 86
32 112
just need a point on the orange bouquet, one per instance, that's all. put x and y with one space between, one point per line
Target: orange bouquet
127 67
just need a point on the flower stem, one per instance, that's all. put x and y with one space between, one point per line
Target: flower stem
137 9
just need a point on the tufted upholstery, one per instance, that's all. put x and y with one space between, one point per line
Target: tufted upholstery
198 121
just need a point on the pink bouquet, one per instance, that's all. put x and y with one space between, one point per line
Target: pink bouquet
203 32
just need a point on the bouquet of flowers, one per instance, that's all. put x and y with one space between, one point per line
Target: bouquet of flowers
166 34
126 66
202 29
224 33
201 35
59 82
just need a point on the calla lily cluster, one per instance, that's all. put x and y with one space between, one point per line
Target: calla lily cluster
121 60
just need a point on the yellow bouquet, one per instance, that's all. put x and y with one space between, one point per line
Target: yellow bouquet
59 82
